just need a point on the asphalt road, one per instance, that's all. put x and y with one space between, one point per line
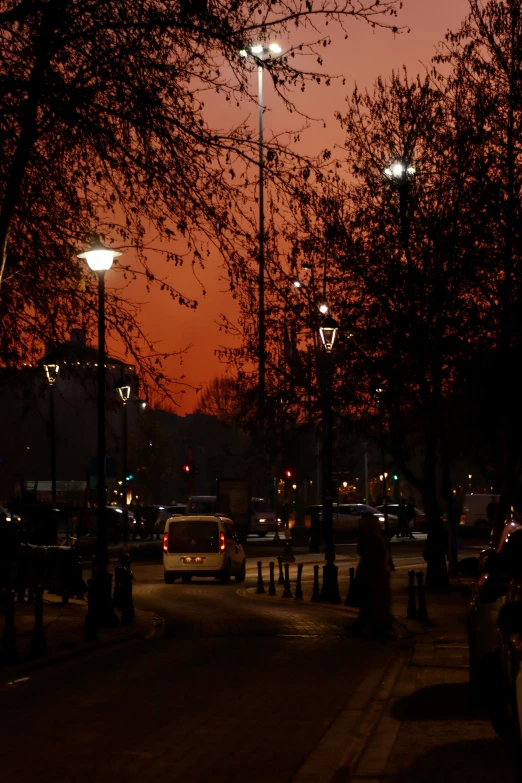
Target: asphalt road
234 690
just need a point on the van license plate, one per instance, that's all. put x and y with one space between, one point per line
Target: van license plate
192 559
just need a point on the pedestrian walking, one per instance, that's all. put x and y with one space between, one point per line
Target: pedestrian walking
402 519
372 579
410 517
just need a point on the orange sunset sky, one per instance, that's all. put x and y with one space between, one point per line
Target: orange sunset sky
366 55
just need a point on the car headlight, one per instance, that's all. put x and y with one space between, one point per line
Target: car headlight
382 519
262 520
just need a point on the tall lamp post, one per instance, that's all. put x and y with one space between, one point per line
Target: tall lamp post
124 392
261 53
100 258
51 371
330 588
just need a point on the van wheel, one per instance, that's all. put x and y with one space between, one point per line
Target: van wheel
169 577
226 573
242 574
185 578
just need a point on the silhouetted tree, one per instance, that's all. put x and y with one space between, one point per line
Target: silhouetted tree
103 128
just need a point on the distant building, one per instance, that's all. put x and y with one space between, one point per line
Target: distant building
25 422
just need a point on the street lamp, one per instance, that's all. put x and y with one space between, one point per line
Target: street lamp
330 588
124 392
400 172
100 259
51 371
260 53
328 332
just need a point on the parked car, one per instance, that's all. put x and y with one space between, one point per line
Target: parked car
420 516
509 624
346 516
202 546
262 520
491 658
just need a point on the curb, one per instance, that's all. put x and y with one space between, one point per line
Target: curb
153 629
332 761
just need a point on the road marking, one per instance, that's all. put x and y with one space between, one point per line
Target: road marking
20 679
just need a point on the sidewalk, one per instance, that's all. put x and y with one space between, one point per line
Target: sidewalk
413 723
64 631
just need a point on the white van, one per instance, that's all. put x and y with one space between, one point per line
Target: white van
202 546
474 509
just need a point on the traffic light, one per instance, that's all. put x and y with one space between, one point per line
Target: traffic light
288 474
186 470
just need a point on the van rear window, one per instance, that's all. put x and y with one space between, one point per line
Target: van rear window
193 537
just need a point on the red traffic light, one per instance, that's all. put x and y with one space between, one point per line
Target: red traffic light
186 468
288 473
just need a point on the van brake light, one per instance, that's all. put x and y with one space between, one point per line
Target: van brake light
165 542
221 542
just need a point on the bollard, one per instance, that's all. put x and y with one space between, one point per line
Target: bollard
126 602
315 590
38 645
90 618
422 612
260 586
271 585
80 584
288 552
287 592
298 590
412 606
281 579
9 653
351 598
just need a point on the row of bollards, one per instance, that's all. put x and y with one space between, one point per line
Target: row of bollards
284 580
415 612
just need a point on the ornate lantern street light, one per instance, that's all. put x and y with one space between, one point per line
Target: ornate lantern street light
124 392
51 371
330 588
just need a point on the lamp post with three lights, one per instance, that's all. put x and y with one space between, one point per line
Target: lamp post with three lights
259 52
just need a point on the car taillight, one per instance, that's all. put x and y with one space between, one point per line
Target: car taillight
221 542
165 542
